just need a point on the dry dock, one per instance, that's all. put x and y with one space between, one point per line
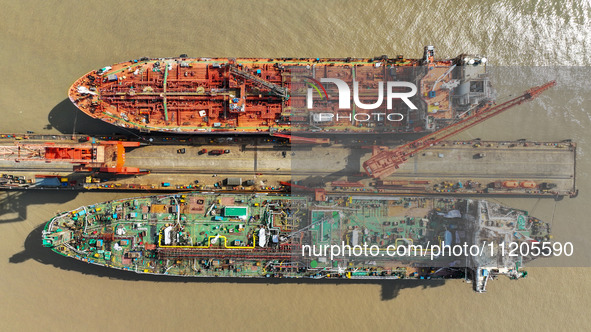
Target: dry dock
260 164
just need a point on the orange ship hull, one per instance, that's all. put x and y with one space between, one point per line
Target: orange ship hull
261 96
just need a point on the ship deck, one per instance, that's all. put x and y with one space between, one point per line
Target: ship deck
260 95
265 235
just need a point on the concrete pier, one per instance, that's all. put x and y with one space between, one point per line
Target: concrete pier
455 168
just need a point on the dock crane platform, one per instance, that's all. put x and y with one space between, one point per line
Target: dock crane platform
103 157
385 162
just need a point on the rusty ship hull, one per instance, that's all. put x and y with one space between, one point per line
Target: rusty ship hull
264 96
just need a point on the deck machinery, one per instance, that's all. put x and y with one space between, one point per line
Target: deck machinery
261 96
270 236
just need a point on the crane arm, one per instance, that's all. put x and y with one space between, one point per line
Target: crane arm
386 162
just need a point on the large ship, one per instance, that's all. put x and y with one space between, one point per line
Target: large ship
265 236
264 95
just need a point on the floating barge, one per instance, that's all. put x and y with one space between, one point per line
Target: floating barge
267 236
263 95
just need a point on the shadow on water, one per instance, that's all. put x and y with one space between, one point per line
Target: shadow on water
67 119
17 202
35 250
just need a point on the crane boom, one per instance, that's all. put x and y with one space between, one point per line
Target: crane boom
384 163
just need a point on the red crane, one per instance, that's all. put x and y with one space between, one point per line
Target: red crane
385 162
104 156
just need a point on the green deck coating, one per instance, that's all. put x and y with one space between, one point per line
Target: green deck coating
252 235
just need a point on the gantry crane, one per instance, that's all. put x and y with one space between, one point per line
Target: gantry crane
385 162
104 157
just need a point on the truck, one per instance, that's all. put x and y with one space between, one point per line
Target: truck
218 152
